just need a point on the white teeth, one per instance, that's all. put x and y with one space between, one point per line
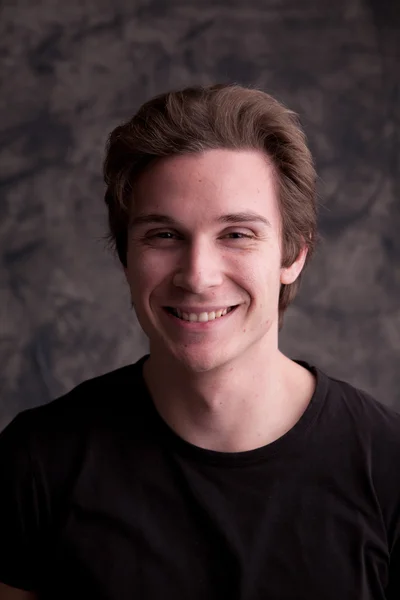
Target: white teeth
203 317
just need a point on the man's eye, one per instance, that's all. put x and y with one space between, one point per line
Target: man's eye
238 235
164 235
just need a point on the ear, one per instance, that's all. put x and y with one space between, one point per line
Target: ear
290 274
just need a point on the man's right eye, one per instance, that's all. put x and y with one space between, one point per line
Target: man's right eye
165 235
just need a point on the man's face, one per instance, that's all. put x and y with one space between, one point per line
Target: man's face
205 238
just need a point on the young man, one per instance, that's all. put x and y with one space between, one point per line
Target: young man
215 467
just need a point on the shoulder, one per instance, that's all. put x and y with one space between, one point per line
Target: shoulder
341 407
92 399
363 423
44 449
68 421
363 410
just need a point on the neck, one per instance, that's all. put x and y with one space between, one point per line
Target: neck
234 408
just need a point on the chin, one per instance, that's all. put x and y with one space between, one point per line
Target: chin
202 361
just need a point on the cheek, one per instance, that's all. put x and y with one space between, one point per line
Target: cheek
146 272
262 285
258 274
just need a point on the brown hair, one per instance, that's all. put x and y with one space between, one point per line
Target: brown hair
196 119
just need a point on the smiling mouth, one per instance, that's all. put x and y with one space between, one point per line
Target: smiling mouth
202 317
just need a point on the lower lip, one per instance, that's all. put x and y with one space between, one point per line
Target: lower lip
198 325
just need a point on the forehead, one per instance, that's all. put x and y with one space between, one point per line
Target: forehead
211 183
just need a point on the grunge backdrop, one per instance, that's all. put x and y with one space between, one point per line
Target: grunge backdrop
71 71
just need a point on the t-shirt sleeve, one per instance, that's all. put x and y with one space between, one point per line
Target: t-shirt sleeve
20 507
393 590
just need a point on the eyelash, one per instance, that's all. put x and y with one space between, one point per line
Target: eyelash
242 235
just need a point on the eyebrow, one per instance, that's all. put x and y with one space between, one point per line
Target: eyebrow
231 218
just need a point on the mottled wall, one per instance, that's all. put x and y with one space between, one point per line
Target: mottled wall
71 71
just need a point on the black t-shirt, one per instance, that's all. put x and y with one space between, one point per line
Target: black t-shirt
100 499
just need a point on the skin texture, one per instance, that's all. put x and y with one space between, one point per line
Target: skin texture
186 249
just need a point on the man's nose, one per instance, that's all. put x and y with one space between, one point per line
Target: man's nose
199 268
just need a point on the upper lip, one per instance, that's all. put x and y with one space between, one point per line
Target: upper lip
200 309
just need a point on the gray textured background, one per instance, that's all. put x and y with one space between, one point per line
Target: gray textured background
71 71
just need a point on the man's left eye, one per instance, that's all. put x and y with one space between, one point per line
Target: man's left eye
238 235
